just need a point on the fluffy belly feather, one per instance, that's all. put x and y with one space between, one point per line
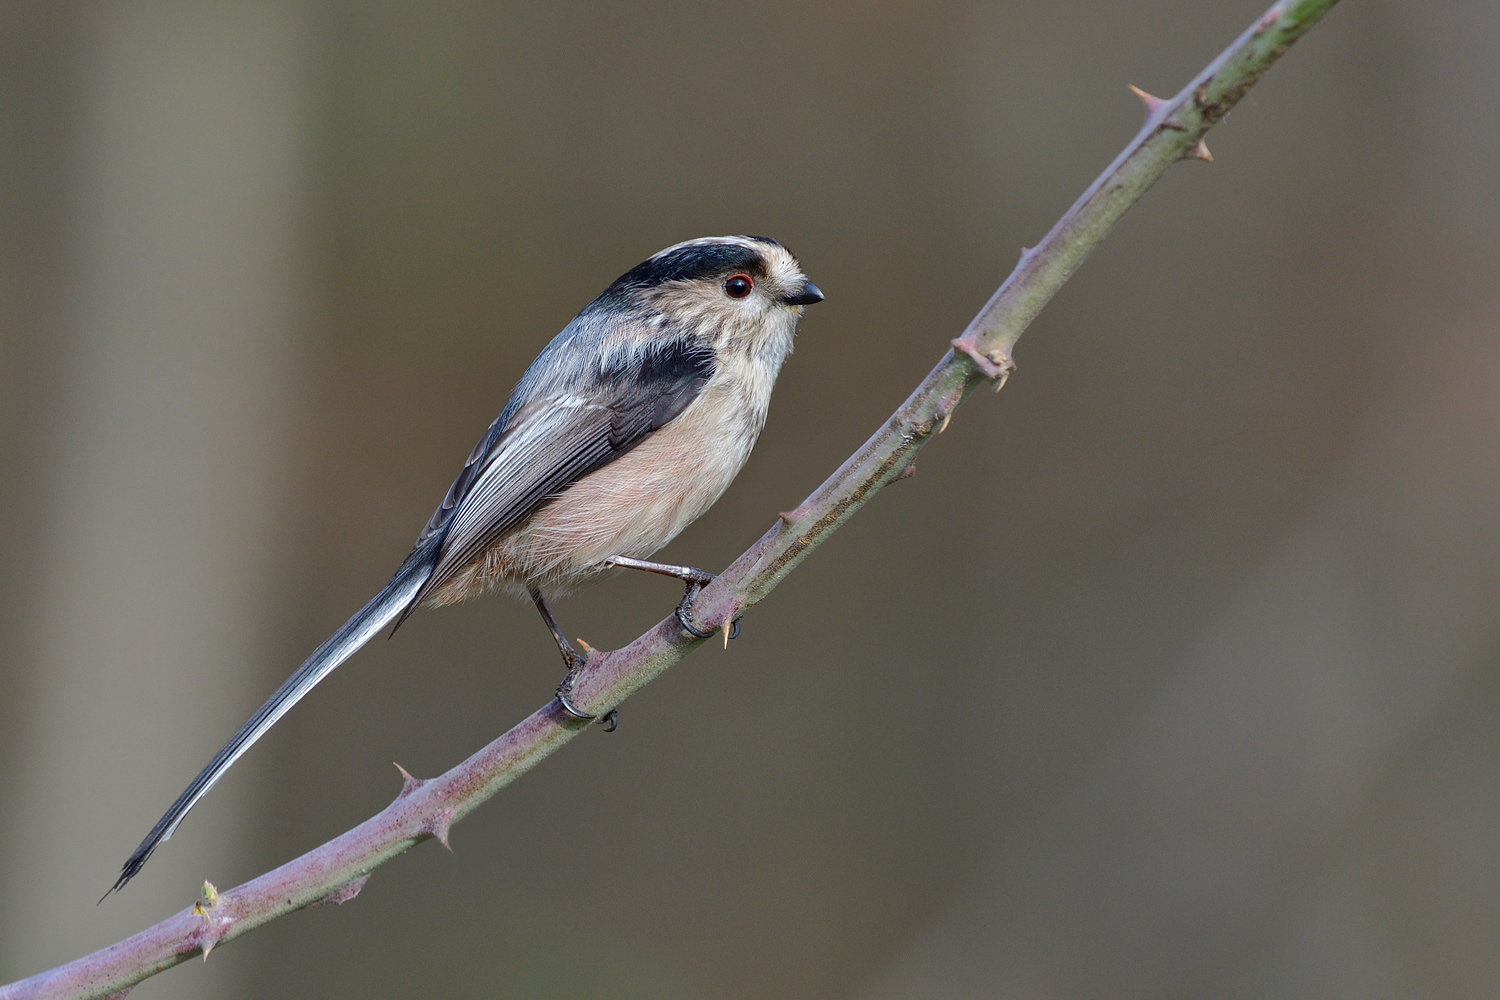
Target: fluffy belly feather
632 507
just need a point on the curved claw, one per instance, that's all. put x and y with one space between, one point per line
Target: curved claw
611 720
684 606
567 706
687 626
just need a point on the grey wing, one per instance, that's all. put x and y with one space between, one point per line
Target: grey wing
554 440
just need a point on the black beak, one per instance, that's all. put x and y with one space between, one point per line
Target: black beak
810 294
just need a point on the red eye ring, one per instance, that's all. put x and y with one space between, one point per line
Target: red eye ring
738 286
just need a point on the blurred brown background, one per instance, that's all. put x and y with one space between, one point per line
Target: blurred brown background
1171 674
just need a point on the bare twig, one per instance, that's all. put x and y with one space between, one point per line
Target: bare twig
424 809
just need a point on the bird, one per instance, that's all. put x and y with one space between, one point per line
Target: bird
626 428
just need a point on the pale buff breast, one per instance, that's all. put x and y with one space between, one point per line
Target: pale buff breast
631 507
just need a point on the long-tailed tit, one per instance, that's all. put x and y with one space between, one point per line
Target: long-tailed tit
626 428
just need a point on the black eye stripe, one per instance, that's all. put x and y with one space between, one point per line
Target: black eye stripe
691 264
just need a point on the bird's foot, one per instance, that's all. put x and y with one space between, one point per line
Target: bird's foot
685 611
610 720
565 698
695 578
575 662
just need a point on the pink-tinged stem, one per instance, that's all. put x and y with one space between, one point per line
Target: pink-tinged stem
336 871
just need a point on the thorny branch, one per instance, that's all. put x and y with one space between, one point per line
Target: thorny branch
335 872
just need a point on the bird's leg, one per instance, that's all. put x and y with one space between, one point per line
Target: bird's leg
572 659
696 579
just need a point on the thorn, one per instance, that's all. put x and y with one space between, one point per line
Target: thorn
1026 252
944 425
786 518
1152 103
1199 152
437 828
213 932
906 473
208 898
995 364
409 784
343 893
587 649
727 623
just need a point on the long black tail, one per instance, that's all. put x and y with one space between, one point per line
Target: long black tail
354 633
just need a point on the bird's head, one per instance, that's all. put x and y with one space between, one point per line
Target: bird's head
742 292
